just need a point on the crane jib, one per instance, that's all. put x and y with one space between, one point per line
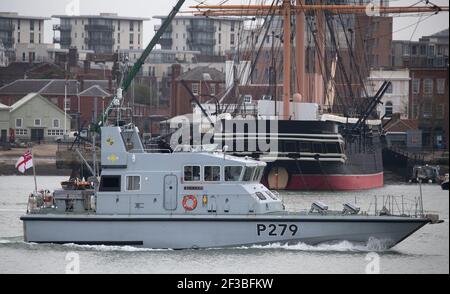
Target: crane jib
138 64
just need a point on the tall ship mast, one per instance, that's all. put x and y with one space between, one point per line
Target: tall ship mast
327 135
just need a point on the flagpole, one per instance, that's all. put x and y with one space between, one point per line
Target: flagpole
34 170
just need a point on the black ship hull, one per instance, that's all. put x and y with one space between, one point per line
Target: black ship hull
310 155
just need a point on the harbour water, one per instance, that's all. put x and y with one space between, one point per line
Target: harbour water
426 251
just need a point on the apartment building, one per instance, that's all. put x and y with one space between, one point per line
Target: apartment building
212 36
16 29
104 33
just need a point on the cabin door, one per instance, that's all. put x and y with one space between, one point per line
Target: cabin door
170 192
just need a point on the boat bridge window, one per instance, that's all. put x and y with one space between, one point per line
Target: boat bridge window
248 174
192 173
133 183
212 173
233 173
258 174
110 184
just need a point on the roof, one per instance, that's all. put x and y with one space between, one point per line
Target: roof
3 107
200 74
102 16
402 125
15 15
95 91
443 33
50 87
240 19
30 97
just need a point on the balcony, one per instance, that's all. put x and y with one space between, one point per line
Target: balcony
166 43
98 41
201 29
65 41
8 42
7 27
63 28
99 28
201 42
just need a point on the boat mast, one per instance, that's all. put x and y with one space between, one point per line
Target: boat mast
300 50
287 58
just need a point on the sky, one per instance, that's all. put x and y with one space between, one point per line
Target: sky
404 27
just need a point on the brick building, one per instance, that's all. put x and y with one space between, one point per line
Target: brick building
428 101
204 82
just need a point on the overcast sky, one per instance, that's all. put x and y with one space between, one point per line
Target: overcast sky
403 26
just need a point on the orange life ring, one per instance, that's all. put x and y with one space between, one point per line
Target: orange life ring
189 202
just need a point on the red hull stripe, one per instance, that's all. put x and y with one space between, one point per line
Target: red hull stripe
335 182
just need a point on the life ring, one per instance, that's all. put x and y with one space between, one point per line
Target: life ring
189 202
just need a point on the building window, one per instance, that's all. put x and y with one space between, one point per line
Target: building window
232 39
118 38
248 99
21 132
427 109
56 123
118 25
416 86
18 37
31 25
213 90
19 123
131 39
390 89
139 39
441 86
39 24
212 173
18 24
220 39
195 89
37 122
133 183
131 26
428 86
232 26
31 38
139 26
440 111
388 109
192 173
53 133
40 41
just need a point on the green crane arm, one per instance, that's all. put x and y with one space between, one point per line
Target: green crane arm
138 64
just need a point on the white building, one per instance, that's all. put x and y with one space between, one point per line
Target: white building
16 29
212 36
104 33
396 97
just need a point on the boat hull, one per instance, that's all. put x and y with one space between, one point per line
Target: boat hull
182 232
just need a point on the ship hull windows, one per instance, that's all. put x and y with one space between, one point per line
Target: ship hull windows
110 184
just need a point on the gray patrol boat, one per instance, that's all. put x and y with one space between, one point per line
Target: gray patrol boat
191 198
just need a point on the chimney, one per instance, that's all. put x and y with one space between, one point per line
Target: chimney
86 66
73 56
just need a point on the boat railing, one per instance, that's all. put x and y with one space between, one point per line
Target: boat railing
156 150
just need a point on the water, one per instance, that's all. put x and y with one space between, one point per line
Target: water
427 251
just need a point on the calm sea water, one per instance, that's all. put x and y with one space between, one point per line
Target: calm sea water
427 251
